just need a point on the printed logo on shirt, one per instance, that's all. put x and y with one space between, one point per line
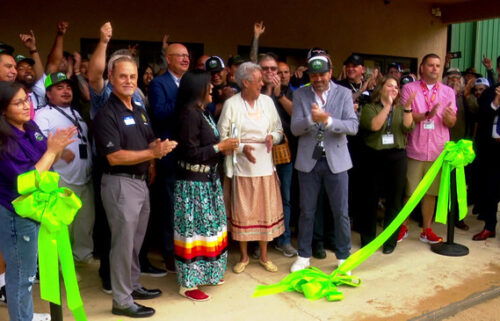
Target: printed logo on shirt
110 144
38 137
144 119
129 120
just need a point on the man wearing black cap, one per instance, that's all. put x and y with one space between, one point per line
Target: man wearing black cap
394 70
220 91
75 164
322 116
354 67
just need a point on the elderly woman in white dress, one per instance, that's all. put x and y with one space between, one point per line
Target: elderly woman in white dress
253 199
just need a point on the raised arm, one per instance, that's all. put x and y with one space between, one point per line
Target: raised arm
56 53
29 42
258 30
82 83
97 63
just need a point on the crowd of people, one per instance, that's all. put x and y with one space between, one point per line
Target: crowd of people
184 161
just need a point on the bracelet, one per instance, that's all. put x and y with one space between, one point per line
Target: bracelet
33 51
408 110
216 148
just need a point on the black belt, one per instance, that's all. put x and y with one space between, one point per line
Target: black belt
142 177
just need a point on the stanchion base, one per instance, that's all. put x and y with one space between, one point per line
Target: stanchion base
450 249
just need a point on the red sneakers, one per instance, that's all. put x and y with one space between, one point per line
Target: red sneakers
403 233
428 236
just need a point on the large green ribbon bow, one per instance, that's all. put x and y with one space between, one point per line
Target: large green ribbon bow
454 156
43 201
312 282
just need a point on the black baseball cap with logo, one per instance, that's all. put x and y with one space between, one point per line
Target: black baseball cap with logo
55 78
214 64
21 58
354 59
318 64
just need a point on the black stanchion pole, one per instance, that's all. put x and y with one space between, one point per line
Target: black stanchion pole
450 248
56 313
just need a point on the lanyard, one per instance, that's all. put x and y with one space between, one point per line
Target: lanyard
426 91
388 129
75 122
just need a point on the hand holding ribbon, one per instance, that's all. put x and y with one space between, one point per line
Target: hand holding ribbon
43 201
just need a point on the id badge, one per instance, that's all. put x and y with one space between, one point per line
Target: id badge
429 124
129 120
83 151
387 139
317 152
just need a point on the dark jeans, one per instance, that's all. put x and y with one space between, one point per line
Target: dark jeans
19 246
323 223
162 208
489 173
336 186
285 175
384 176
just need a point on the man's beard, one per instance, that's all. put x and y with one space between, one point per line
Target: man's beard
26 83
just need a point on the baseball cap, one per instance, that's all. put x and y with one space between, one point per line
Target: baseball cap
482 81
313 52
235 60
453 71
214 64
355 60
21 58
5 48
318 64
55 78
395 65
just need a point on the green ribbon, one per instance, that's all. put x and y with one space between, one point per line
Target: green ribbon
313 283
43 201
454 156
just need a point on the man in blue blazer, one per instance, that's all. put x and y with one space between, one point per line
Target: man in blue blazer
162 96
323 114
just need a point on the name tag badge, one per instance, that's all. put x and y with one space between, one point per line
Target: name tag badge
129 120
429 124
387 139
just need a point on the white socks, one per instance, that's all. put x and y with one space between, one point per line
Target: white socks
2 280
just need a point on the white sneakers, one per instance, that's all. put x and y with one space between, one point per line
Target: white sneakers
300 264
340 263
41 317
304 262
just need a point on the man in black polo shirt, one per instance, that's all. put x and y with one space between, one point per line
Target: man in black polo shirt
127 147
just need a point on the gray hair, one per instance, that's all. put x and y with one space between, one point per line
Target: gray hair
245 71
118 58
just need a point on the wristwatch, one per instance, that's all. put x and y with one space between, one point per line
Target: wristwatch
408 110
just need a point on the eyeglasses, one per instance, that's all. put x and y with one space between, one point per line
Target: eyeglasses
180 55
22 102
266 68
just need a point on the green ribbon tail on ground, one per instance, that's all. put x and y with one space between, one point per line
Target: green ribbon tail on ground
54 208
315 284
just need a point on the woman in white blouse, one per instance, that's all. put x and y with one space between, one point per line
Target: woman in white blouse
253 199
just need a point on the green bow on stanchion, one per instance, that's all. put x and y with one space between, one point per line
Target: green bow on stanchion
454 156
43 201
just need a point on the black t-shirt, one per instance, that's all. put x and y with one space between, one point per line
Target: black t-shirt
118 128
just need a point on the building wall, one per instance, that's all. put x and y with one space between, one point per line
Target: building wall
402 28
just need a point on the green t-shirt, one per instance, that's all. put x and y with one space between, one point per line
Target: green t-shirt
373 139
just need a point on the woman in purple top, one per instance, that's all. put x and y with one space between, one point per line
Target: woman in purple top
22 148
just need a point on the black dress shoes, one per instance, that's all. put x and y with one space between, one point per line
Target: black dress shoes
387 249
145 294
319 252
134 311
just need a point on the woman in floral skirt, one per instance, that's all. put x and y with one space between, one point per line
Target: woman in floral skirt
200 228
